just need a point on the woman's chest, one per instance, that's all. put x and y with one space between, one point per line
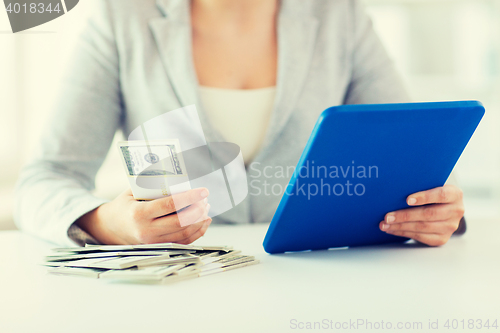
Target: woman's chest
233 62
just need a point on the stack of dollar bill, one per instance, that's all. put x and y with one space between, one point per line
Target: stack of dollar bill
155 169
164 262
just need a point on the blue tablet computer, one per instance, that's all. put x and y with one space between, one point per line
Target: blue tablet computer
361 162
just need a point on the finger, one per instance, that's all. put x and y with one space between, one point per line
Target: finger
173 203
127 194
205 216
193 214
184 235
436 212
429 239
175 222
148 234
445 194
201 232
180 235
440 228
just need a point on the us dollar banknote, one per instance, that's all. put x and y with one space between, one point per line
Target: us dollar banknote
151 159
153 167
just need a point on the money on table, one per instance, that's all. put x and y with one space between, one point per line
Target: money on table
73 256
157 263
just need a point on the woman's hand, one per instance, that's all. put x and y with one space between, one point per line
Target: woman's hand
433 222
181 218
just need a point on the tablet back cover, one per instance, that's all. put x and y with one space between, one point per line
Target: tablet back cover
361 162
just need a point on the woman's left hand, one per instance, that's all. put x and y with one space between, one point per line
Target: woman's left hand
435 219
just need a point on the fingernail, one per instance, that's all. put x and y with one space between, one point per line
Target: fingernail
385 226
208 208
412 201
204 193
205 201
391 218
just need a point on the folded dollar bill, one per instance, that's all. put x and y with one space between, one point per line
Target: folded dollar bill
155 169
155 247
125 262
199 272
76 271
73 256
149 273
228 268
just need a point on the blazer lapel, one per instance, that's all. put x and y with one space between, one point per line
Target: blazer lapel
297 31
172 34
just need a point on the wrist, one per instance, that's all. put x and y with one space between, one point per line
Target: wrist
93 223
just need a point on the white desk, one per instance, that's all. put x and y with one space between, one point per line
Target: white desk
404 283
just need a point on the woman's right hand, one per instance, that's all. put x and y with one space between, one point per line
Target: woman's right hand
181 218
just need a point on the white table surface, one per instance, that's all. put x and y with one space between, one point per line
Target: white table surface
396 284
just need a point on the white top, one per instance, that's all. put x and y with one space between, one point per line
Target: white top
241 116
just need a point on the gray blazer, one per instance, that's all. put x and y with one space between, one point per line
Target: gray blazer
134 62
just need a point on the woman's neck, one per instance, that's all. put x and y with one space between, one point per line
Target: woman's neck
242 15
235 43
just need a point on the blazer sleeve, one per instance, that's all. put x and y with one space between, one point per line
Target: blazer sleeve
55 188
462 227
374 78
